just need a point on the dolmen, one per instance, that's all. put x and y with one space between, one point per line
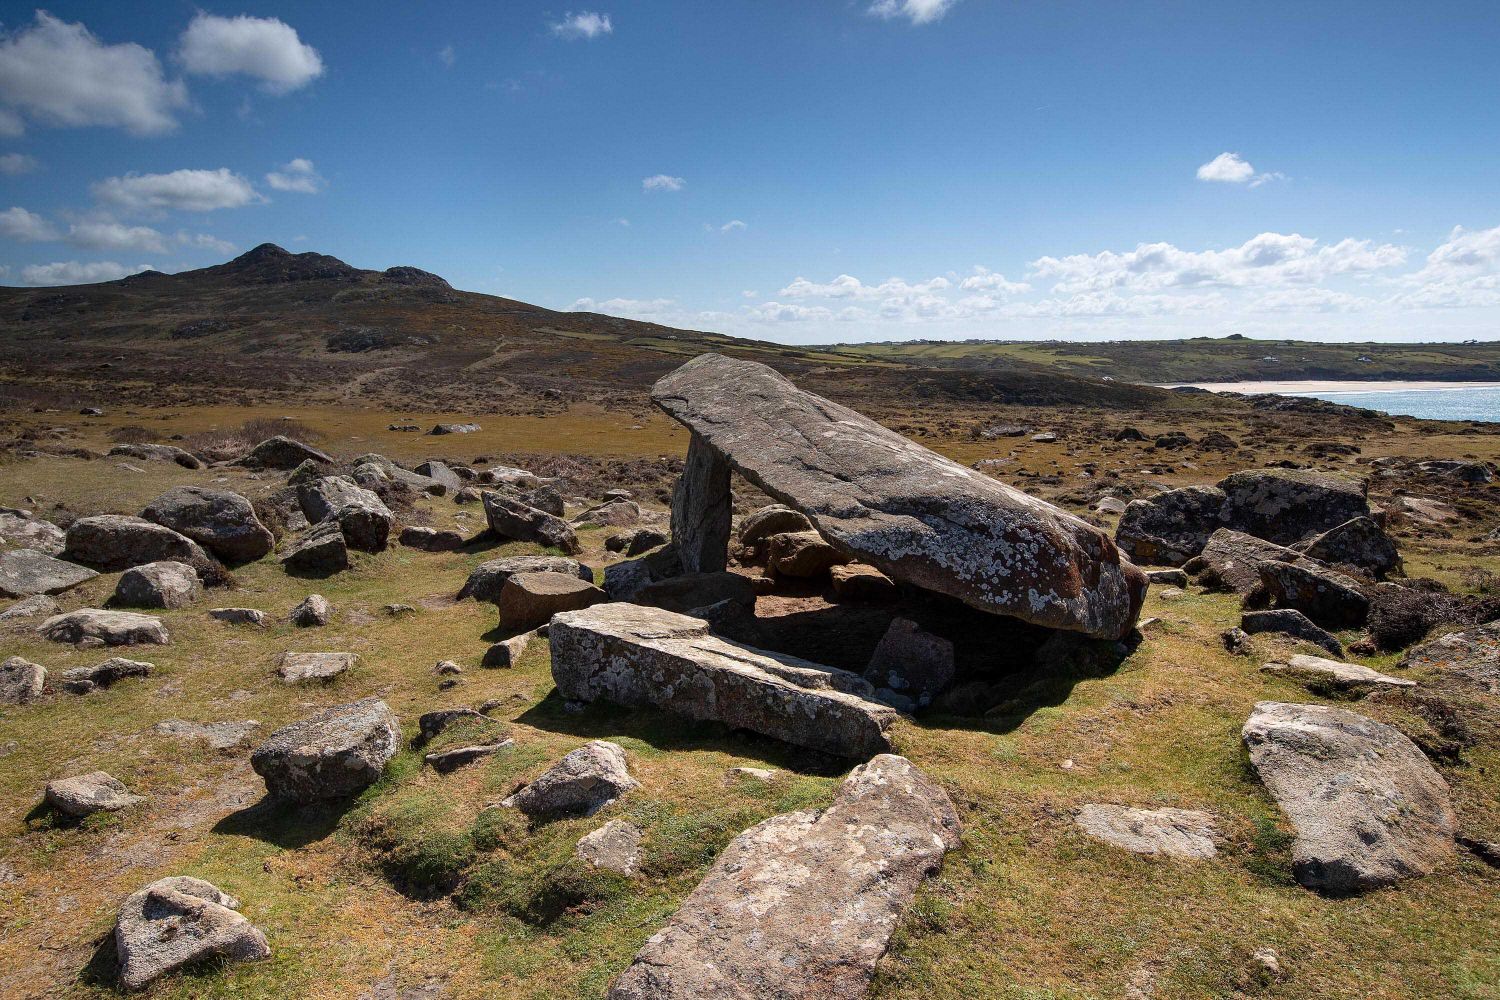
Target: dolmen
885 501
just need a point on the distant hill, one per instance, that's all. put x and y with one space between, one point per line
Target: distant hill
271 324
1202 359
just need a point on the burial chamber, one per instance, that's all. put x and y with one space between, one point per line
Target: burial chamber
884 500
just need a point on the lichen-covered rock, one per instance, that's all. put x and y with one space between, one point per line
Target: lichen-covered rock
114 542
1323 673
887 501
111 628
1174 833
28 573
636 656
82 680
529 600
321 550
311 612
615 847
364 519
1472 655
39 606
488 578
1330 599
431 539
1231 560
1290 622
803 905
1358 542
1368 807
331 755
157 453
222 522
1288 505
802 554
178 922
1171 527
510 518
22 530
281 452
584 781
911 661
21 681
86 794
163 584
298 668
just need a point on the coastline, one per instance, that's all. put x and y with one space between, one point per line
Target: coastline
1287 387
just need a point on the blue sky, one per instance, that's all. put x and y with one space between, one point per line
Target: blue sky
804 172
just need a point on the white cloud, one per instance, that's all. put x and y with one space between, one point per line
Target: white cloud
62 74
203 241
17 163
623 222
1231 168
299 175
1267 259
662 182
915 11
846 286
628 308
585 24
788 312
447 56
71 272
732 225
180 190
261 47
116 236
27 227
992 282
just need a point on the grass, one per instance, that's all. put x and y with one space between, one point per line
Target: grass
417 879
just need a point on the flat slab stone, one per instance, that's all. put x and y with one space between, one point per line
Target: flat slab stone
802 906
444 761
1176 833
615 846
110 628
914 515
18 529
1369 809
219 735
87 794
297 668
30 607
27 572
638 656
1335 673
1472 654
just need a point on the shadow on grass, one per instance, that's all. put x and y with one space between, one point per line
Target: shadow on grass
284 824
103 966
666 732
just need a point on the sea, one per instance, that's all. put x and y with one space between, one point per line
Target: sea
1428 400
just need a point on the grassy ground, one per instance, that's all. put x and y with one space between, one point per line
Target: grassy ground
418 883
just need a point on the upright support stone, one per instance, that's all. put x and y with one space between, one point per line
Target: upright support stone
702 509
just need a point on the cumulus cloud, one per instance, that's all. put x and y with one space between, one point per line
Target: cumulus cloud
71 272
180 190
1270 258
662 182
106 235
732 225
261 47
629 308
1231 168
992 283
299 175
585 24
846 286
58 73
26 227
204 241
915 11
12 164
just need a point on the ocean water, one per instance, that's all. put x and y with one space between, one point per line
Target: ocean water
1446 403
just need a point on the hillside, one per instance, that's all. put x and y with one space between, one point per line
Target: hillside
272 325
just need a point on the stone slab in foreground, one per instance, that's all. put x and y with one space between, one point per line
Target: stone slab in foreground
1369 809
802 906
634 655
887 501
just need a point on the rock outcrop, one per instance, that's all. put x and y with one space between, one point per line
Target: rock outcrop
584 781
637 656
1322 673
21 529
883 499
321 550
87 794
1173 833
109 628
1359 542
163 584
1368 807
281 452
488 578
529 600
510 518
1171 527
802 905
222 522
114 542
1472 655
21 681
